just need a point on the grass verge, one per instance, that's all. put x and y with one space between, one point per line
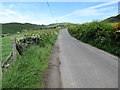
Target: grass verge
28 70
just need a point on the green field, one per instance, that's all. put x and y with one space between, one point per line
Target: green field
6 45
12 28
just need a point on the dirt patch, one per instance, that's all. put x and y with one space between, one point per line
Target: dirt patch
52 77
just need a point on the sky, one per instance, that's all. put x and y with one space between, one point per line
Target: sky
40 13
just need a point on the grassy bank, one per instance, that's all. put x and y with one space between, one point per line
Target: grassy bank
99 34
27 72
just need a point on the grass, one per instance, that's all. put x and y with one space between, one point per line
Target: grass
19 27
6 45
5 49
29 69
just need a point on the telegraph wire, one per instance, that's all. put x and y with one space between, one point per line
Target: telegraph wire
51 11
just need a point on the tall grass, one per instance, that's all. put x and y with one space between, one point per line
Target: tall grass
28 70
6 45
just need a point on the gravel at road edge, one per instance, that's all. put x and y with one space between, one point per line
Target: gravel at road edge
52 77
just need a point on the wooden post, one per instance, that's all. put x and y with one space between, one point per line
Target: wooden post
14 50
36 40
7 59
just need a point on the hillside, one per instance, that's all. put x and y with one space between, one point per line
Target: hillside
15 27
113 19
64 23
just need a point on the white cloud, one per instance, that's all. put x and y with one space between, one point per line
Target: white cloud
105 4
7 14
91 11
6 10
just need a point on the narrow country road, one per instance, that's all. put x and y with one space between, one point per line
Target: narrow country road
84 66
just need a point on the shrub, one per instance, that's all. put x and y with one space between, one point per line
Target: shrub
37 37
100 34
116 27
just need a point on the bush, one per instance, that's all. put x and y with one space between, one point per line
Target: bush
100 34
37 37
116 27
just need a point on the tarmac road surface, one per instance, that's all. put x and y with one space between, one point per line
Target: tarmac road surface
84 66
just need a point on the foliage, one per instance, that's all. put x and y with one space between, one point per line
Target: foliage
6 45
116 27
99 34
35 37
28 70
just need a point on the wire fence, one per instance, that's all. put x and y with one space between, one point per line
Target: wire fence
1 45
7 50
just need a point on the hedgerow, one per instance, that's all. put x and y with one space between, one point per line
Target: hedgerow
100 34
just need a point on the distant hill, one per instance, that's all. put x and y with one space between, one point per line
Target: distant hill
64 23
113 19
18 27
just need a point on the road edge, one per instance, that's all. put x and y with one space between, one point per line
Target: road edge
52 76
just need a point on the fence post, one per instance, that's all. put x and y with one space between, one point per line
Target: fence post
14 50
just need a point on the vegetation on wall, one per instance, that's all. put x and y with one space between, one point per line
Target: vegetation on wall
28 70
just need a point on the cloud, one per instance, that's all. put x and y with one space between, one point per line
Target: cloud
7 14
6 10
105 4
91 11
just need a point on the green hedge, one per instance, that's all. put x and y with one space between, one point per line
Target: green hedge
98 34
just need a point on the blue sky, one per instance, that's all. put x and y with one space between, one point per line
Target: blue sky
39 13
